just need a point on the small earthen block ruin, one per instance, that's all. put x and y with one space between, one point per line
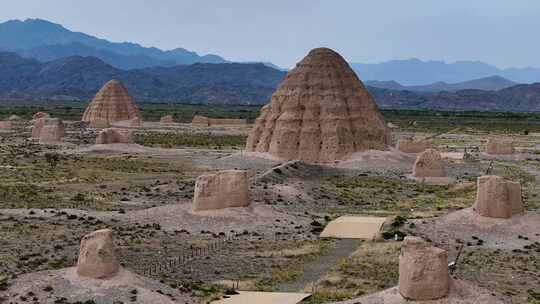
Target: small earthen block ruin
499 146
114 136
221 190
423 271
97 257
320 113
429 164
111 104
167 119
48 130
409 145
497 197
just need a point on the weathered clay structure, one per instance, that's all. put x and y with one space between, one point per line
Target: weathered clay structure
14 117
429 164
410 145
97 258
204 121
498 146
5 125
497 197
39 115
114 136
48 130
221 190
320 113
111 104
167 119
423 271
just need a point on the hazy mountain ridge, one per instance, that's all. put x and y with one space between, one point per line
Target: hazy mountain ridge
415 72
45 41
492 83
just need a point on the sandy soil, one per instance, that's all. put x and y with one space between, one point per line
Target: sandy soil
52 286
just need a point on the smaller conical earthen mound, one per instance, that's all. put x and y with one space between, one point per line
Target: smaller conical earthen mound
423 271
167 119
97 257
48 130
111 104
429 164
497 197
321 112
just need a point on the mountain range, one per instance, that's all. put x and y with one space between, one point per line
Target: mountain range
47 41
492 83
79 78
415 72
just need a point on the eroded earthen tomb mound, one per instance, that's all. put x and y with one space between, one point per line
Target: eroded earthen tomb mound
14 117
423 271
321 112
114 136
166 119
410 145
429 164
223 189
39 115
48 130
111 104
199 120
499 146
497 197
97 258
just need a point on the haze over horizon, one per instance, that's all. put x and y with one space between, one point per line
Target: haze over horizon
282 32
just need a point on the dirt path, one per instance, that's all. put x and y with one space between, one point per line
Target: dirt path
316 269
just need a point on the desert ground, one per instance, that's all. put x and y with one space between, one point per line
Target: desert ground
53 195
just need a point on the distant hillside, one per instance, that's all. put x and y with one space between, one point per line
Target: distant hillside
80 78
46 41
492 83
415 72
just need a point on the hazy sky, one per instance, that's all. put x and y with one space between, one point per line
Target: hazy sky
500 32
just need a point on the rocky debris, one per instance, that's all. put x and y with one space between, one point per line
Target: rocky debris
321 112
423 271
167 119
221 190
114 136
111 104
497 197
5 125
97 258
409 145
48 130
499 146
429 164
39 115
204 121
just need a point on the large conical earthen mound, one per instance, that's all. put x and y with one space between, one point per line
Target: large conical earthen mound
321 112
111 104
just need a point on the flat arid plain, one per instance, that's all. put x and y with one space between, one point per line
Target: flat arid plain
54 194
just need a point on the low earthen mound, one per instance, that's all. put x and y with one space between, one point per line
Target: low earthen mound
39 115
5 125
167 119
201 121
321 112
499 146
111 104
224 189
114 136
97 257
14 117
410 145
48 130
429 164
423 270
497 197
